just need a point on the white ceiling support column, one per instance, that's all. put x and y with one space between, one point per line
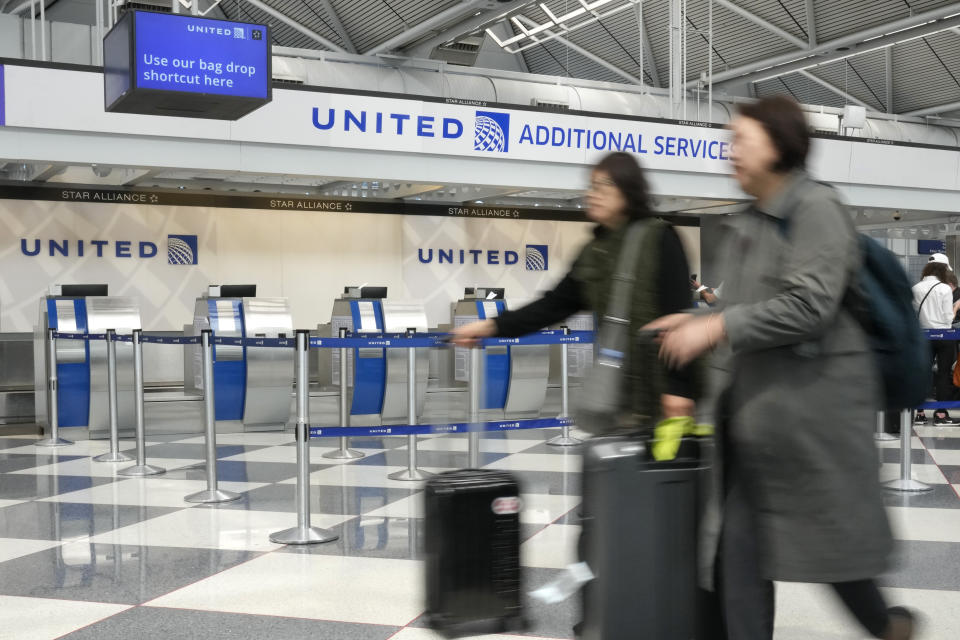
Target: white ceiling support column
837 90
426 27
651 60
293 24
884 35
676 57
811 24
888 72
468 26
585 53
929 111
760 22
327 6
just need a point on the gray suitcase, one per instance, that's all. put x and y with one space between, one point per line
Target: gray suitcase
640 532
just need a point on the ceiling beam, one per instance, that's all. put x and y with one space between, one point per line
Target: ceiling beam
293 24
930 111
583 52
760 22
467 26
835 89
811 24
887 34
888 60
327 7
428 26
647 49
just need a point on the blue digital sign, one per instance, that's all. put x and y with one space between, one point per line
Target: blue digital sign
200 55
182 65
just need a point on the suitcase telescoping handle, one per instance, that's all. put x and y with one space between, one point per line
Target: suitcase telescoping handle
648 336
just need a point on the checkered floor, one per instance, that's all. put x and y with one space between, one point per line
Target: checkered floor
87 554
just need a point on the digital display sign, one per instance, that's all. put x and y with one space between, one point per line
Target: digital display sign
169 64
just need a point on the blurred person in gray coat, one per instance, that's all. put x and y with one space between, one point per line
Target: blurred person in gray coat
801 499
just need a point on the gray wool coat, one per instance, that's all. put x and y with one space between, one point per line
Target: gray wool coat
803 389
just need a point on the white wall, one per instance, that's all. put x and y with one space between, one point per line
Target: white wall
307 257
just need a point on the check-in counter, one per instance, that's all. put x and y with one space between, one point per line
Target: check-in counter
82 365
251 384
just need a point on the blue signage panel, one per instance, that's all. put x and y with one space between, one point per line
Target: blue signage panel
201 55
927 247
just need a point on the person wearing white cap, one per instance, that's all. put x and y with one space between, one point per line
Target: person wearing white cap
933 298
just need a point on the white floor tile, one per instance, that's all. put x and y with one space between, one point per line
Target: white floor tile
935 525
11 548
9 503
945 456
813 612
212 528
270 438
155 491
414 633
539 508
87 467
929 473
353 475
491 445
289 455
895 443
560 461
364 590
553 548
938 432
78 448
46 618
412 507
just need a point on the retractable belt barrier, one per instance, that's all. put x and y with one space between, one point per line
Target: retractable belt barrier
428 429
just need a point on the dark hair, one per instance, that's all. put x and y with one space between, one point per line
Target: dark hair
626 173
786 125
935 269
951 278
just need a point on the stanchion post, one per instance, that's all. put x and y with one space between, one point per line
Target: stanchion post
53 406
212 494
303 533
343 452
473 437
882 434
114 455
564 439
905 483
141 468
411 473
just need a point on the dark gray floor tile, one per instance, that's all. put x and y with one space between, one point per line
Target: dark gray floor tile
30 486
925 565
357 443
238 471
435 459
546 620
943 443
10 462
952 472
186 623
340 500
549 482
112 573
196 451
10 443
543 447
917 456
69 520
941 497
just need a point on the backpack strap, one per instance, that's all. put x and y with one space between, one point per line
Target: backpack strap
929 291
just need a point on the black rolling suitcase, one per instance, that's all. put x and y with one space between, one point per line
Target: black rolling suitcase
472 552
640 539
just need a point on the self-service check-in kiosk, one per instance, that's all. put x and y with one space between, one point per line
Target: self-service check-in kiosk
251 384
377 377
82 393
515 377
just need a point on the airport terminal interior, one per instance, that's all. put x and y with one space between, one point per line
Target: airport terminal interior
235 236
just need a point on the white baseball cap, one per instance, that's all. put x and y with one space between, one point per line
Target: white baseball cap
941 258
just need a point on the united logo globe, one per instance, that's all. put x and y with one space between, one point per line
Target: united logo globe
179 252
536 261
488 136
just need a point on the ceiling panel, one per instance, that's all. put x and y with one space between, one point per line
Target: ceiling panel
306 12
863 76
371 22
837 18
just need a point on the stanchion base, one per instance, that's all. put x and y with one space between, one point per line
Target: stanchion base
416 475
885 437
119 456
52 442
214 496
139 470
907 486
303 535
344 454
564 441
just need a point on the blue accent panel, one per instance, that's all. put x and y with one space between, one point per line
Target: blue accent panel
369 374
497 368
73 378
229 376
